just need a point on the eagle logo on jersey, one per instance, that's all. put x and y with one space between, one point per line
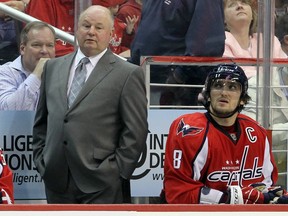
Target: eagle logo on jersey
186 129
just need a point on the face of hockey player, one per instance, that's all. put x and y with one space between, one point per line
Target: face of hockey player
224 96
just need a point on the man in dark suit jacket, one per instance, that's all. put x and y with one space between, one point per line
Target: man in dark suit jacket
86 151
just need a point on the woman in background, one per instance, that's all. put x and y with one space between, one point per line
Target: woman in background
242 42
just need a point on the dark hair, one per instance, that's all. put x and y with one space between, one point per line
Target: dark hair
281 27
31 26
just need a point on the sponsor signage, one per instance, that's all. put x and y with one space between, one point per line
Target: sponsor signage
16 141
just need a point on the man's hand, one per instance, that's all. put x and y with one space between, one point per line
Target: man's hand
257 193
252 196
18 5
277 195
39 67
282 199
272 195
130 22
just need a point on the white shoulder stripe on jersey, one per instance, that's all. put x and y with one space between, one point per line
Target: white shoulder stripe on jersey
267 165
200 160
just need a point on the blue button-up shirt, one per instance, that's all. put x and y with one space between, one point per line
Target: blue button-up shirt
19 89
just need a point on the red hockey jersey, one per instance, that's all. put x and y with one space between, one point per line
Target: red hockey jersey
120 40
201 153
6 182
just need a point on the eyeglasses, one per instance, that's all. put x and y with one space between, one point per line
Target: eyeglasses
227 85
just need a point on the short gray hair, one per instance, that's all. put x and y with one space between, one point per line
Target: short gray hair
31 26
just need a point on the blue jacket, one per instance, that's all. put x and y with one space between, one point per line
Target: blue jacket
180 27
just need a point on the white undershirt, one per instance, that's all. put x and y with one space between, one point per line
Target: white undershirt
89 66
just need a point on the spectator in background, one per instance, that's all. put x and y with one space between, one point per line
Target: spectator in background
123 31
93 143
128 10
6 182
280 97
9 31
58 13
281 31
241 37
281 7
20 80
17 4
179 28
242 42
131 8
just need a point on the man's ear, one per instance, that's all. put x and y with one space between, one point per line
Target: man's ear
21 48
242 102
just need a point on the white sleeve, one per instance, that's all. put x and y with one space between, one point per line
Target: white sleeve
210 196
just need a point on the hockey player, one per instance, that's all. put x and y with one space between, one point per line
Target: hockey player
220 156
6 182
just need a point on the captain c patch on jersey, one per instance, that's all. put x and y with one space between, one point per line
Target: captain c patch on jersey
186 129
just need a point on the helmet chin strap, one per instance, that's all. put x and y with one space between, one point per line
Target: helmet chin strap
224 116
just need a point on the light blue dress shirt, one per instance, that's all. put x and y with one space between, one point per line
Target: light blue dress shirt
19 89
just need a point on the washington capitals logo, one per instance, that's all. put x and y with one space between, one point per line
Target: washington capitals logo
186 129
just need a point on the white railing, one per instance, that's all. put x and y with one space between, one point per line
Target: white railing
18 15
